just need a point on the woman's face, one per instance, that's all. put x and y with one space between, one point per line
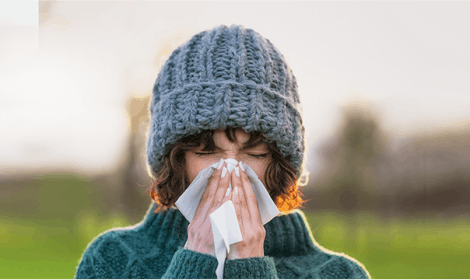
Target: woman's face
258 157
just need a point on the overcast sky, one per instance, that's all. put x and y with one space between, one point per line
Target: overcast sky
63 103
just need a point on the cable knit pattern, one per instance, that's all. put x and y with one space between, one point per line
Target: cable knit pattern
154 249
226 77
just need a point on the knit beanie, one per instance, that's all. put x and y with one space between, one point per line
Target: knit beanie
226 77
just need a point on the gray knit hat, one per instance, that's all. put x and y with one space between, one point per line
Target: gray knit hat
226 77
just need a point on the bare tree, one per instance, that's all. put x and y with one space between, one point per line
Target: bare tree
135 176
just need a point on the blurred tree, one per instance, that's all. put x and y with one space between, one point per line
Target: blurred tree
350 185
134 168
357 146
45 10
430 172
133 174
419 174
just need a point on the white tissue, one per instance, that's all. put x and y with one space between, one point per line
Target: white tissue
225 232
224 222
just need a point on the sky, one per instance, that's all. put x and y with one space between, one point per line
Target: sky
64 82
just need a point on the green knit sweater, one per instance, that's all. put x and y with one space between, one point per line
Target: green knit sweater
154 249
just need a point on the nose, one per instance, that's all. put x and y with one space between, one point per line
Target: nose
233 156
231 152
231 164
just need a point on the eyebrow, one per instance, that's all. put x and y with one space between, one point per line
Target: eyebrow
246 147
252 145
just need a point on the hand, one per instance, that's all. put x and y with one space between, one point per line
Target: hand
249 218
200 237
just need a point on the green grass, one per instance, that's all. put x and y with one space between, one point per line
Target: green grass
47 249
398 248
44 229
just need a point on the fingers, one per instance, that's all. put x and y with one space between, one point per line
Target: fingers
238 201
210 192
223 192
249 197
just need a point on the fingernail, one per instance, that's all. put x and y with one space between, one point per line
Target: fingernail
237 171
235 190
241 165
224 171
221 162
227 192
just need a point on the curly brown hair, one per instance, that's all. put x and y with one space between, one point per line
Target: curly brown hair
171 181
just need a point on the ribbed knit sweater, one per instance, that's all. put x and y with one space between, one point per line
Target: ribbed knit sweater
154 249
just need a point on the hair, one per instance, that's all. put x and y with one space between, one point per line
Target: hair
170 180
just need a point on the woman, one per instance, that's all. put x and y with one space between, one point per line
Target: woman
226 93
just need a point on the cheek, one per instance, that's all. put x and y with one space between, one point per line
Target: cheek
194 165
191 168
259 167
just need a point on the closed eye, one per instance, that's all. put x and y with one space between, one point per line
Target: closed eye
203 154
259 156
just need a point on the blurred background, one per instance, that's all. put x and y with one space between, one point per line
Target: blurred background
386 95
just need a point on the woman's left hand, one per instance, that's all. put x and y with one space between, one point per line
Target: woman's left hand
249 218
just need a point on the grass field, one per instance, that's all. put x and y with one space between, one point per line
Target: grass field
397 248
44 231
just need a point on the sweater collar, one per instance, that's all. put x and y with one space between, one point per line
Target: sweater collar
286 234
